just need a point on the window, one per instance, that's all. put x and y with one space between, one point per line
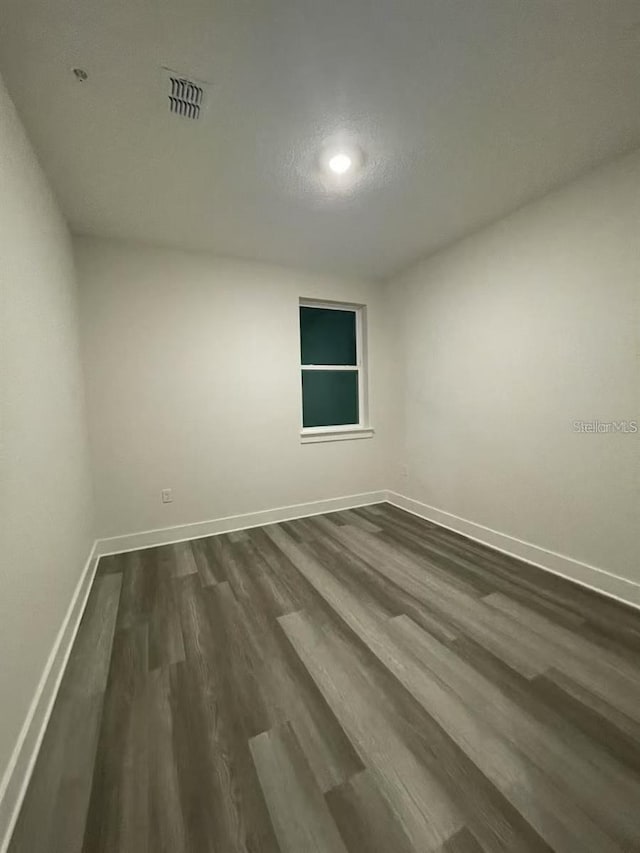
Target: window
333 375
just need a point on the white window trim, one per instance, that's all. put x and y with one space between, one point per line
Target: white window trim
316 435
313 435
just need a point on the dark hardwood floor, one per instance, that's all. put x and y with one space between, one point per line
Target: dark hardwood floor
359 681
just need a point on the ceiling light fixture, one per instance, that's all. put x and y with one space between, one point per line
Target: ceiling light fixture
340 163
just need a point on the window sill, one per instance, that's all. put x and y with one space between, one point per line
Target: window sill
313 436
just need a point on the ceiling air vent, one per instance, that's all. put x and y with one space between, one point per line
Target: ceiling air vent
186 97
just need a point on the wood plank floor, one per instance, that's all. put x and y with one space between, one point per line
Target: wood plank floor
353 682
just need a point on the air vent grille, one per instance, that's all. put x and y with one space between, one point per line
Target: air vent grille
185 97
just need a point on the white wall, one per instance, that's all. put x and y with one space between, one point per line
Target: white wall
193 384
503 341
45 492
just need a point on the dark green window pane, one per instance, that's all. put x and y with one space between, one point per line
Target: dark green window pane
329 397
327 336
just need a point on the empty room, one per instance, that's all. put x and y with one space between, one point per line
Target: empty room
319 426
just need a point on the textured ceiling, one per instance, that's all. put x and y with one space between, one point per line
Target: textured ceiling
465 109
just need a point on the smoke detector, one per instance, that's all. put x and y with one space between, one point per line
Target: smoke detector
185 94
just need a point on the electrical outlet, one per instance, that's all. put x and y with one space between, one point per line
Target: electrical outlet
167 496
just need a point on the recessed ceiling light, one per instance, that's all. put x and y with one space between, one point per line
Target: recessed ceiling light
340 163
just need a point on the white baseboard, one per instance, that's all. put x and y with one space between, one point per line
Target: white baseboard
18 772
598 580
182 532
